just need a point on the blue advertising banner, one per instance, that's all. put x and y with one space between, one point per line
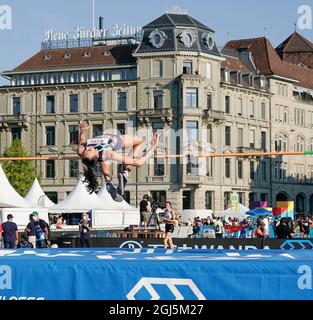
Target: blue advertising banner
139 274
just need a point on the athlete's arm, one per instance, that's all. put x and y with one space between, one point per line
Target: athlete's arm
82 138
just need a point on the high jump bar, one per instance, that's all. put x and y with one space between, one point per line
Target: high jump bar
199 155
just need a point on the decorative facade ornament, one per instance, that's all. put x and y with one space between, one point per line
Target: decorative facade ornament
157 38
208 40
186 38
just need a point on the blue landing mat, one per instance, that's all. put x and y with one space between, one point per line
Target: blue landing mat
121 274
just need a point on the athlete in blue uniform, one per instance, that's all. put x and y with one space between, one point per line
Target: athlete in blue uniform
103 149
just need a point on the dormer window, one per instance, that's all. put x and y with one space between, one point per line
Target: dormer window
239 78
251 81
47 57
87 54
67 55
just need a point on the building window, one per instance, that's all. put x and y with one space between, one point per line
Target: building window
240 169
209 101
286 115
263 141
121 101
16 105
192 97
227 104
73 102
121 128
50 169
192 131
209 200
263 170
263 111
227 136
97 130
187 67
251 104
74 168
299 117
227 167
97 102
157 68
252 138
299 144
210 134
16 133
240 106
158 99
252 197
241 197
227 196
53 196
311 144
50 104
73 131
210 166
252 170
281 142
192 166
159 163
158 167
240 137
50 136
159 197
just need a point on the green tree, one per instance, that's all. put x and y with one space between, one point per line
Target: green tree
21 174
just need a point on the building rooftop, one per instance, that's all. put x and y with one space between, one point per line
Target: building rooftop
78 57
176 20
268 62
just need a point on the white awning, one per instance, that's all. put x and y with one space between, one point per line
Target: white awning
9 198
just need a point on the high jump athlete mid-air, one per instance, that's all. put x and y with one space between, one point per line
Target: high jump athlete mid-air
103 149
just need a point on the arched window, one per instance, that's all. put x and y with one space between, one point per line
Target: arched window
282 196
281 142
300 203
299 145
311 144
157 68
311 203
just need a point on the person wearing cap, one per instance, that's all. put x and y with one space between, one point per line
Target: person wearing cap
37 228
9 233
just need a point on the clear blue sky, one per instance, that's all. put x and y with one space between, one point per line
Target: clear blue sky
241 18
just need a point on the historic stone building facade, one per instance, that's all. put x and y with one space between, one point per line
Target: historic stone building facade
244 98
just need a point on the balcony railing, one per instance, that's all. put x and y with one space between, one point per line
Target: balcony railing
249 149
165 114
214 115
19 119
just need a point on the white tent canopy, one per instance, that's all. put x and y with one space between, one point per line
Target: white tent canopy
79 200
240 213
110 204
9 198
37 197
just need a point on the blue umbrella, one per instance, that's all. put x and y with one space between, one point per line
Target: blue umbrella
258 212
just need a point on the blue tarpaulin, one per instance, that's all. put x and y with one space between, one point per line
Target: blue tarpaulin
102 274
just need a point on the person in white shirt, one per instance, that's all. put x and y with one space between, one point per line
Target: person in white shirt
266 227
